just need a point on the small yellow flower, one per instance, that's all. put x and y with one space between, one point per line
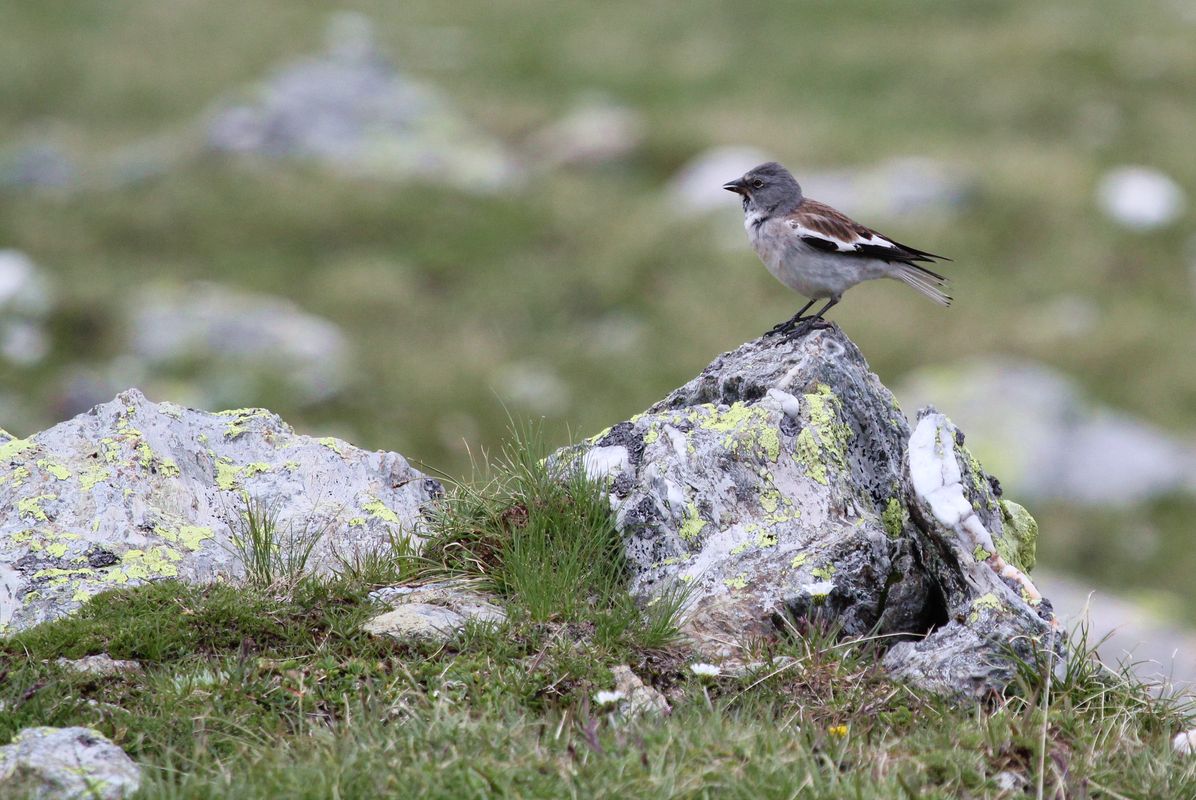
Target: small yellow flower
837 730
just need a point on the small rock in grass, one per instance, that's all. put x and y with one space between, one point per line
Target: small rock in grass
66 764
101 665
1184 742
434 612
640 698
1009 781
598 131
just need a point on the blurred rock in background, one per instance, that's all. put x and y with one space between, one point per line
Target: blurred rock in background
596 131
235 341
1032 425
698 185
892 188
25 300
38 164
350 108
532 386
901 186
1162 651
214 347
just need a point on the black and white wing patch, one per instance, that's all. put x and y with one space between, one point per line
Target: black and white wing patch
824 228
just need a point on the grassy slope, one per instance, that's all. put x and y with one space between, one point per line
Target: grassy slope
254 693
440 291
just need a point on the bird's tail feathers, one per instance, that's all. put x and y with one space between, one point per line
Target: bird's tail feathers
923 280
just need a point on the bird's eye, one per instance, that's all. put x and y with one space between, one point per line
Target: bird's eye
759 184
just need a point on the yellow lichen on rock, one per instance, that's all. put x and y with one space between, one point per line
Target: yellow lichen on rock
744 425
693 524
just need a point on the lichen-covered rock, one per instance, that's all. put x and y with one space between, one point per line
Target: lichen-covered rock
66 764
979 549
132 491
776 485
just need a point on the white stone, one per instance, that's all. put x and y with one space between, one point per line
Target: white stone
603 462
1140 198
25 299
936 477
1184 742
23 287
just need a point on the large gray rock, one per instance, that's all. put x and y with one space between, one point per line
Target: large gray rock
66 764
781 486
133 491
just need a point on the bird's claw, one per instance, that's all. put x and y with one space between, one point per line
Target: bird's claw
809 324
785 327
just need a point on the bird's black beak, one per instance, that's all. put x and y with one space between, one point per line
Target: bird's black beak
737 186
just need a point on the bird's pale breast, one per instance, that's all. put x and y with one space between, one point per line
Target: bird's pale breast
804 269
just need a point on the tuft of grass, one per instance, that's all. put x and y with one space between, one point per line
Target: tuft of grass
275 557
388 563
541 533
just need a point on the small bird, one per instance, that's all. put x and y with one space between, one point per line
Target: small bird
819 252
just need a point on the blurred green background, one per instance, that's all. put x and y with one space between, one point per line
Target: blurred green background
540 278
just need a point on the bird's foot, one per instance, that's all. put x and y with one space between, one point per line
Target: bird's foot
809 324
785 327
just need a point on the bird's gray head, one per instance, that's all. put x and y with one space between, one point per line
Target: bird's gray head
769 188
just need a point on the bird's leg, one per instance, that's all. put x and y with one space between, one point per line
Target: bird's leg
787 325
810 323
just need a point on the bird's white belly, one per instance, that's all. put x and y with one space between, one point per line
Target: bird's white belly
814 273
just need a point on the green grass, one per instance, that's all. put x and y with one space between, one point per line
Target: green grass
291 700
541 534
